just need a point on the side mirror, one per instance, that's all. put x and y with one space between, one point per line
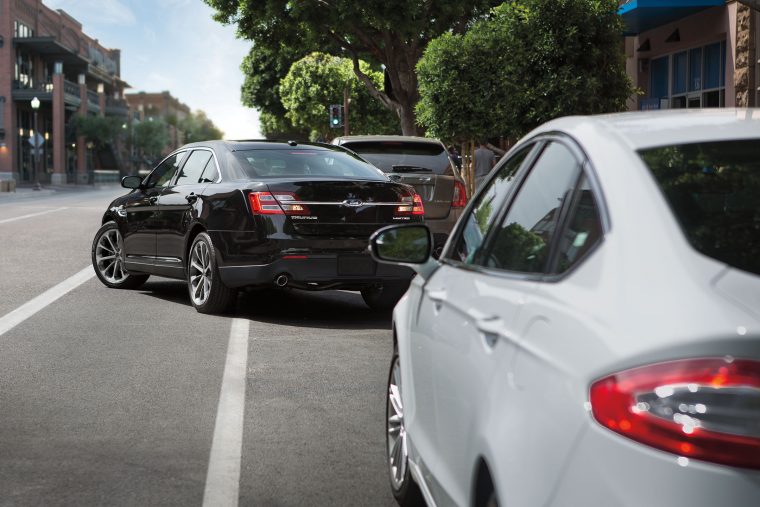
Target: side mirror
131 182
410 245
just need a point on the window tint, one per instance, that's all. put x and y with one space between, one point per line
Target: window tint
522 241
583 231
162 174
403 156
713 189
486 209
193 168
306 162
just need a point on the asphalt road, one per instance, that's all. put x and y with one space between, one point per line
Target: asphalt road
111 397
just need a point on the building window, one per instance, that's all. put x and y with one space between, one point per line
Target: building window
22 31
693 78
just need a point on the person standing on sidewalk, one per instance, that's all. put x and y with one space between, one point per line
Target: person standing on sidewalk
484 162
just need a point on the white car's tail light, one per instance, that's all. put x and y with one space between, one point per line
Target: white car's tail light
706 409
277 203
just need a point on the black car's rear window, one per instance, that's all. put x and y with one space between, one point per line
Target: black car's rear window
714 190
305 163
403 156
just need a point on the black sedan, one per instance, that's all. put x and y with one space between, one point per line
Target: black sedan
224 215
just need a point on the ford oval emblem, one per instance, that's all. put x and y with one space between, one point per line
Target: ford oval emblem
353 203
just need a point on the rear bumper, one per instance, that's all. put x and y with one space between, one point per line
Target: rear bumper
442 227
317 272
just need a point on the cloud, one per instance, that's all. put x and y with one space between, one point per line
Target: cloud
109 12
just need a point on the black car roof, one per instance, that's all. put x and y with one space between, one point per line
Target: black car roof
261 144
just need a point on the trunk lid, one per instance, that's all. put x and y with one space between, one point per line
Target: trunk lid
344 208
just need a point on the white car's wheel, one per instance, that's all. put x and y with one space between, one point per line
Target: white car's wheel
404 489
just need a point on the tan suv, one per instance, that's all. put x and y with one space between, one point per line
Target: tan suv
423 163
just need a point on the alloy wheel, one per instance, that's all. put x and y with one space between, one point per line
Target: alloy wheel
200 273
397 448
109 257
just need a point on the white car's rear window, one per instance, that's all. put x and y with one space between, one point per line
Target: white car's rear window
714 191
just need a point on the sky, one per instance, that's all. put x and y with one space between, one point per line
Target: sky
174 45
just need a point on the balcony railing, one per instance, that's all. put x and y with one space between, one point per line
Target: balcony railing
92 98
70 88
38 87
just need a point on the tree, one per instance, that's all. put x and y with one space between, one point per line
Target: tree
318 80
99 130
150 138
529 62
264 69
393 33
198 127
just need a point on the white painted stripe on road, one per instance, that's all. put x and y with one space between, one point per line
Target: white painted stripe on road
223 477
23 312
30 215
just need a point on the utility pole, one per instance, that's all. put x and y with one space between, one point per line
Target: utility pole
346 102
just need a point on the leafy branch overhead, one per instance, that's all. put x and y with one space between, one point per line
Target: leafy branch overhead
393 33
529 62
319 79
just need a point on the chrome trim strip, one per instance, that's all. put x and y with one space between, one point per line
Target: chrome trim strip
342 203
140 263
173 260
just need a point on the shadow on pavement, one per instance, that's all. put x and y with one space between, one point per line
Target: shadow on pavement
323 309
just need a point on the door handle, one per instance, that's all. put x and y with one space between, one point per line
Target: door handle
438 296
191 197
492 325
492 329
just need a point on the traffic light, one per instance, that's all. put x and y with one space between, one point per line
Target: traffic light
336 116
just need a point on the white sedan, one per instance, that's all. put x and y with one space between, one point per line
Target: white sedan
591 333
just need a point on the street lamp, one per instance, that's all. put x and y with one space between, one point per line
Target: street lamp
35 107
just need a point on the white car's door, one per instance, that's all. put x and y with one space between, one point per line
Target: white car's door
473 304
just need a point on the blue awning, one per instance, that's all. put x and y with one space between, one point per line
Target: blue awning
642 15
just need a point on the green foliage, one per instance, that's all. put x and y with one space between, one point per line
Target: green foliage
99 130
530 61
318 80
279 127
389 32
263 69
150 137
198 127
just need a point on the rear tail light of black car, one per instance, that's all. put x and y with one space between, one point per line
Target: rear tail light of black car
412 205
460 195
706 409
276 203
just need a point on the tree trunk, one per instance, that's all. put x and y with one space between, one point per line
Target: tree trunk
408 120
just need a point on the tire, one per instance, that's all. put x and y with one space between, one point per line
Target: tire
406 492
207 292
108 259
384 296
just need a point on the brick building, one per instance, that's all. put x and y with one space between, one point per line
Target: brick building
45 54
162 105
692 53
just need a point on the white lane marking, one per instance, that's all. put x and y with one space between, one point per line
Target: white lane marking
223 477
23 312
30 215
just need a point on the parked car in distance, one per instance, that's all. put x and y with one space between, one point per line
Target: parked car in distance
591 334
224 215
426 165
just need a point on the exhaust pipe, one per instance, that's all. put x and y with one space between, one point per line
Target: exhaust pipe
281 280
